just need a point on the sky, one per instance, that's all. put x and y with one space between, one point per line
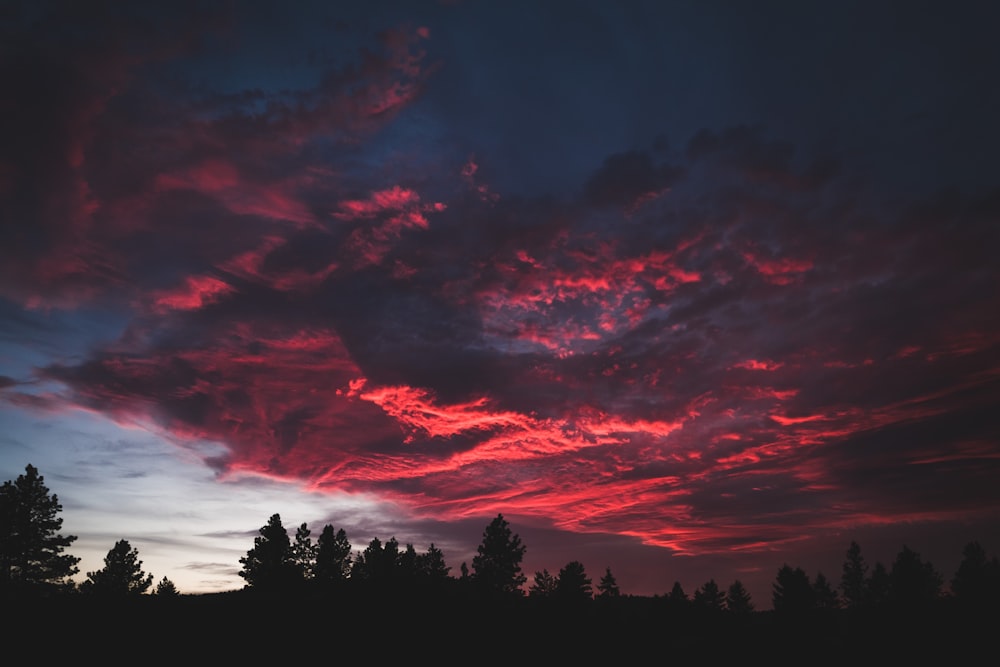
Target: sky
689 290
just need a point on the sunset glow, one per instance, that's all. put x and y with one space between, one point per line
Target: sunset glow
681 300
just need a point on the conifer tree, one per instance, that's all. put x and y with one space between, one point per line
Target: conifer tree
432 564
825 597
573 585
333 556
738 599
270 565
543 586
709 597
853 580
304 551
496 567
608 586
31 547
166 589
121 576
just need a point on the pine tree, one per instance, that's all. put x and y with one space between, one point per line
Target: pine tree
677 594
304 552
792 591
31 548
496 566
912 581
166 589
853 580
677 600
608 586
544 585
333 556
709 597
877 585
432 565
270 565
738 599
121 576
977 579
825 596
573 585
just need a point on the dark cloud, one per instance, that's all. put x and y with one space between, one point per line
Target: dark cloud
627 179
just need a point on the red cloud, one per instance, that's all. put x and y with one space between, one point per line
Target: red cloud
395 209
782 271
197 292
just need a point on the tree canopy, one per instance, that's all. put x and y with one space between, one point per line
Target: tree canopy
573 585
122 574
608 585
496 567
792 591
270 565
738 599
31 546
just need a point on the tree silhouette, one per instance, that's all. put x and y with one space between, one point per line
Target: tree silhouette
496 567
792 591
573 585
31 548
853 579
166 588
824 596
608 586
270 565
878 584
378 563
738 599
912 581
409 564
431 564
977 579
544 585
121 576
333 557
304 552
709 597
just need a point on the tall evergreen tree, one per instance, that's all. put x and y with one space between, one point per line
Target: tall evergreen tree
544 585
409 564
912 581
121 576
677 593
709 597
573 585
792 592
31 547
607 587
333 556
738 599
854 578
877 585
304 552
270 565
496 567
977 579
825 597
378 563
431 564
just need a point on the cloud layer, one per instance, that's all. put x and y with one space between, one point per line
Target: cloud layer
724 342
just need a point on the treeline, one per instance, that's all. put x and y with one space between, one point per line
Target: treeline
34 562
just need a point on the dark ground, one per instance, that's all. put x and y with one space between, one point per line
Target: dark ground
239 628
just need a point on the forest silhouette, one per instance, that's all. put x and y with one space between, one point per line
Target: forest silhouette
304 592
